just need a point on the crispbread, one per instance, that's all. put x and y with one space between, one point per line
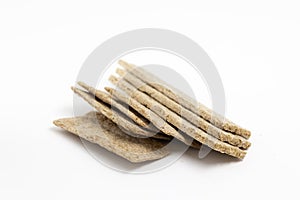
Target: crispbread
186 101
160 123
107 98
235 140
130 128
98 129
177 121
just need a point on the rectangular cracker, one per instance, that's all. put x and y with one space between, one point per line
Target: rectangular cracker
154 118
186 101
177 121
232 139
130 128
98 129
107 98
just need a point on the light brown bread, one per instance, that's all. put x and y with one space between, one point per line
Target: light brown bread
177 121
160 123
224 136
98 129
107 98
186 101
130 128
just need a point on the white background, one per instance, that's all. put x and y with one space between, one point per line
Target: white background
255 46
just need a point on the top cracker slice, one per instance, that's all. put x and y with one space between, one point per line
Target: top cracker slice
98 129
186 101
177 121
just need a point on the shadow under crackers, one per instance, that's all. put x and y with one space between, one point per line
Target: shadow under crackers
212 158
110 159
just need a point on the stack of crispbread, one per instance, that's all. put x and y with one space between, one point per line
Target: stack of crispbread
138 118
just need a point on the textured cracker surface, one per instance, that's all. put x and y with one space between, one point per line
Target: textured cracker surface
98 129
130 128
235 140
154 118
107 98
177 121
186 101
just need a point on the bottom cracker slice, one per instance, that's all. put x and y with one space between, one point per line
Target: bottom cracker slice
98 129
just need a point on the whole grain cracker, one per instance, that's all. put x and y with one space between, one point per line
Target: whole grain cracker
96 128
177 121
160 123
107 98
235 140
186 101
130 128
